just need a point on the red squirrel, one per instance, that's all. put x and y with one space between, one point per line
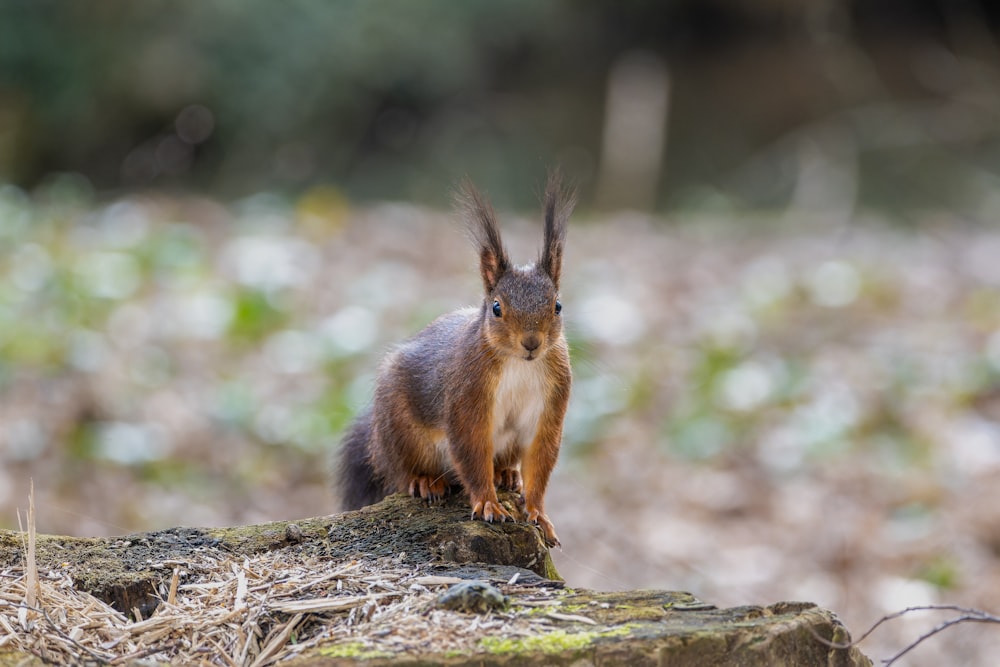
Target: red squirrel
478 397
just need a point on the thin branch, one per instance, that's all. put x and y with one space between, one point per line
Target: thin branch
943 626
967 615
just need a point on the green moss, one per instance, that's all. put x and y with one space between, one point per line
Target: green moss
352 650
617 608
549 570
554 642
558 641
16 658
530 612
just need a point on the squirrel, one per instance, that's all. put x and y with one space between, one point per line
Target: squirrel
478 397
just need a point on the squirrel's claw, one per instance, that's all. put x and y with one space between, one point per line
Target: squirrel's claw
490 510
538 518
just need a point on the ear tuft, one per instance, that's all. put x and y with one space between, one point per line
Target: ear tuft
481 221
557 205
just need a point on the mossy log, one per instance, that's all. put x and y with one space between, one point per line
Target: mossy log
574 627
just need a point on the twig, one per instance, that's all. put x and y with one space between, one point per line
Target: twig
139 655
967 615
32 586
174 581
277 642
975 618
249 627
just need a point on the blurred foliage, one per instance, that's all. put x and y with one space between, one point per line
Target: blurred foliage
154 317
887 104
941 572
254 316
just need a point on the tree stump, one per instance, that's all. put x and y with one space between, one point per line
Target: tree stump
376 586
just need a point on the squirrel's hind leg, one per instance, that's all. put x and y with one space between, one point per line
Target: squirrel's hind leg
430 488
508 479
507 470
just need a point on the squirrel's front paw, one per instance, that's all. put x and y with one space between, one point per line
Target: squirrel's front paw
429 488
490 510
538 518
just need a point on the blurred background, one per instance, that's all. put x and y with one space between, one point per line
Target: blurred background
781 284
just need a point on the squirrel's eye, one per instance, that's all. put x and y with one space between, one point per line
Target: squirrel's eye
496 309
558 307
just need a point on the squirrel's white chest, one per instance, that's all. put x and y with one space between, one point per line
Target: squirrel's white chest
518 404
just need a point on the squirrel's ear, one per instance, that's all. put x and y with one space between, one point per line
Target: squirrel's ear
557 204
482 223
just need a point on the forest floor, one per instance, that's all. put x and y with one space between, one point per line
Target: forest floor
760 412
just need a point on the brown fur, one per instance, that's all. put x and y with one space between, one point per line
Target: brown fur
475 399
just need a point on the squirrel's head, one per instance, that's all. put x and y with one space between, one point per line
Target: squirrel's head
521 308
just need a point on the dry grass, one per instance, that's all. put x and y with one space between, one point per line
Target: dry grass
252 612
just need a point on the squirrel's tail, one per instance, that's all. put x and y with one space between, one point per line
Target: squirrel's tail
355 481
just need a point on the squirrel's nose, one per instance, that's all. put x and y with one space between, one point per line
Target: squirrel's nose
531 342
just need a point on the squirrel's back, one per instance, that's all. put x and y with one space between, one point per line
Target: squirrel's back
418 369
421 365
